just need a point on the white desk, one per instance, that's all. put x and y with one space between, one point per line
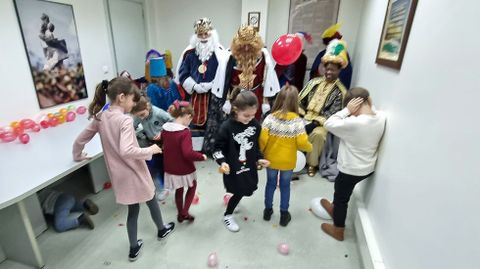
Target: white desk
26 169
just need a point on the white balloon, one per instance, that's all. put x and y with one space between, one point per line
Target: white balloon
318 209
301 161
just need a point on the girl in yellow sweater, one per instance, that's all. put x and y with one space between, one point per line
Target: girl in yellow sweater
283 133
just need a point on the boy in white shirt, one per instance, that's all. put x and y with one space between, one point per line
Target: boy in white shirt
360 128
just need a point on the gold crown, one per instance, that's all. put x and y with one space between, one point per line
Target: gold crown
246 34
202 26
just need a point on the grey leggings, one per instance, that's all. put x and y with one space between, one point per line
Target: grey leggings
132 218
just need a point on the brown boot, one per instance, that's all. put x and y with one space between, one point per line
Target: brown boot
328 206
333 231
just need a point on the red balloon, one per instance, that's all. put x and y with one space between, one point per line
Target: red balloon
24 138
286 49
44 124
18 130
36 128
53 122
71 116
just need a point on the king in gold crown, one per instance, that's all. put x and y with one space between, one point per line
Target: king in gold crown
246 48
202 26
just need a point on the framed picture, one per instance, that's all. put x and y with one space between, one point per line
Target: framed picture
50 38
396 28
254 20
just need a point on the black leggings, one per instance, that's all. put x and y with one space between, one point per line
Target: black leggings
344 185
232 204
132 219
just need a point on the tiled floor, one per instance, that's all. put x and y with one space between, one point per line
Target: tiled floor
255 246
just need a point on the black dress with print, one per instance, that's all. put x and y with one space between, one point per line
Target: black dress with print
237 145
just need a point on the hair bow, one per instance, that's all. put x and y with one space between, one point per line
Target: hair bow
179 104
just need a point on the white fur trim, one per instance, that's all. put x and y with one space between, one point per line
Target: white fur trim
174 127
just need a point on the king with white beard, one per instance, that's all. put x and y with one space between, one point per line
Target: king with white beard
200 73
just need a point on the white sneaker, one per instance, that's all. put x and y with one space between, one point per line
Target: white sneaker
230 223
163 195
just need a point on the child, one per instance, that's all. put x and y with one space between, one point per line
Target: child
152 119
125 160
59 206
179 157
360 129
283 133
163 91
237 152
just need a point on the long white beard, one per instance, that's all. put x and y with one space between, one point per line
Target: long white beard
205 50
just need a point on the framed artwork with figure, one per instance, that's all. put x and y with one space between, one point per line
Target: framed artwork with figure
395 32
254 20
51 43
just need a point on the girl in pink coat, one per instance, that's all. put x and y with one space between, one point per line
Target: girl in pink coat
125 160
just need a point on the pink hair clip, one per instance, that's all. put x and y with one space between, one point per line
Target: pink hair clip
179 104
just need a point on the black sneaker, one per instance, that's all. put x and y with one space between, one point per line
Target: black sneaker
267 214
285 218
135 251
166 230
90 206
85 219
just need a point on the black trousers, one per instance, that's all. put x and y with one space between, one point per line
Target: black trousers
344 185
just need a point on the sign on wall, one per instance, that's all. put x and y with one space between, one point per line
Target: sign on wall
50 37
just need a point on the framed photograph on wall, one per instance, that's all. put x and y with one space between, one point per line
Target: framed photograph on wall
51 43
254 20
396 28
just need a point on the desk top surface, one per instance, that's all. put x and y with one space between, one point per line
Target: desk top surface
26 169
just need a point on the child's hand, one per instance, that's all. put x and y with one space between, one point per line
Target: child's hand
155 149
204 157
264 163
82 157
224 168
156 138
354 104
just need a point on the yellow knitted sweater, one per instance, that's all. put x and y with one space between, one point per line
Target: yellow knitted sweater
281 136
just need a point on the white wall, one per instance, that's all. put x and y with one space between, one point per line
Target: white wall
424 198
256 6
171 21
18 93
350 14
277 24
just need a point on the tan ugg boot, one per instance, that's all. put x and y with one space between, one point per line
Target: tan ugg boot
328 206
333 231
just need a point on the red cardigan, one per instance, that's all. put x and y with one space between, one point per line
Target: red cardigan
178 154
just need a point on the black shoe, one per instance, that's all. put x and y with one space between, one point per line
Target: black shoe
166 231
90 206
285 218
85 219
267 214
135 251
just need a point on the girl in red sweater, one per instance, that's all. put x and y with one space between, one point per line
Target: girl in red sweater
179 157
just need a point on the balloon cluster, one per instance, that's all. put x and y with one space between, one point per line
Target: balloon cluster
19 129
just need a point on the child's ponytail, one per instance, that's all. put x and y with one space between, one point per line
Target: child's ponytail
99 99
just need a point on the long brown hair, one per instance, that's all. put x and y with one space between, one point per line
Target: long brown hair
180 108
142 104
242 100
287 100
112 89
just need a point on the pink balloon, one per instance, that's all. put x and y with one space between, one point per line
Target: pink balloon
286 49
81 110
283 249
226 198
196 200
8 137
24 138
71 116
27 123
212 259
36 128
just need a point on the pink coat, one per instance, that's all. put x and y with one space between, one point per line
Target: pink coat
125 160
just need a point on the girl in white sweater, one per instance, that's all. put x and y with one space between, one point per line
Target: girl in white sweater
360 128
